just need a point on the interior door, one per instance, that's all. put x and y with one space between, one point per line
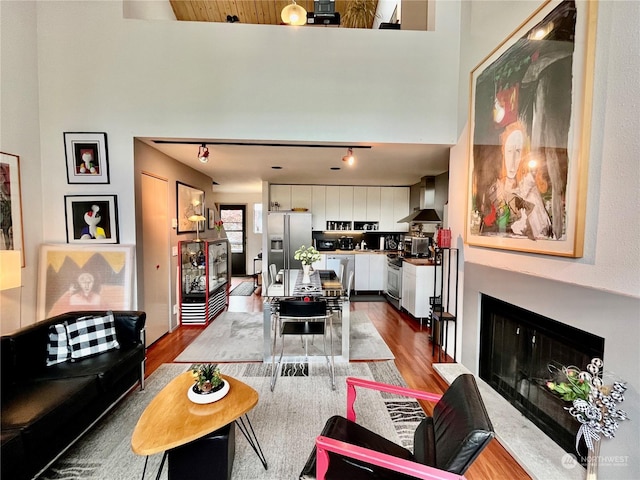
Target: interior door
235 225
157 260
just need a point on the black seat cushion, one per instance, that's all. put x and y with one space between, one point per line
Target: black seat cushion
342 468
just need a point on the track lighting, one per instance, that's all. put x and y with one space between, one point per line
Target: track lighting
349 159
294 14
203 153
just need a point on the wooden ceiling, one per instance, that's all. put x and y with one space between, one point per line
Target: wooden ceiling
267 12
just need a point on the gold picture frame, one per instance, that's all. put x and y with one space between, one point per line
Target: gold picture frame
529 124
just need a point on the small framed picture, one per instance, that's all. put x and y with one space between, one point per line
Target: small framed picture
211 218
87 157
91 218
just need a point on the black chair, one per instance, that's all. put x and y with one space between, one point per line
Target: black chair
304 318
445 444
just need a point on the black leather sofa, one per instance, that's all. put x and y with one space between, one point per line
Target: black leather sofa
46 408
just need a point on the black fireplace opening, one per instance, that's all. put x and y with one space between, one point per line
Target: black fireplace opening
516 348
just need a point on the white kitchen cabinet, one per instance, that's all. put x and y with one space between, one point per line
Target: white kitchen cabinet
346 204
332 204
318 207
377 272
280 194
362 272
373 204
371 269
387 217
417 288
359 204
401 206
301 196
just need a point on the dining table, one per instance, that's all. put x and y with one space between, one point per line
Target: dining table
293 284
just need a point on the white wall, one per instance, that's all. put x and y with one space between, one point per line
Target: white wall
600 292
99 72
19 135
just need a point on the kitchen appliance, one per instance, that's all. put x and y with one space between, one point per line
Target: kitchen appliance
417 246
326 245
428 198
346 243
287 232
394 280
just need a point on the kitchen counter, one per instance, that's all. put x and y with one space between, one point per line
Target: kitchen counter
356 252
420 261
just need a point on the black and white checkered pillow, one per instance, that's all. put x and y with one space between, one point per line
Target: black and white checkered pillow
58 346
91 336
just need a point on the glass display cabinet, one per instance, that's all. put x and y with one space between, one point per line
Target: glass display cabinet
204 279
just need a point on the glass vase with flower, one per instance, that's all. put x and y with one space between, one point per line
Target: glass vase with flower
307 256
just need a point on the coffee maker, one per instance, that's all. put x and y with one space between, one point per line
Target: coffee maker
345 243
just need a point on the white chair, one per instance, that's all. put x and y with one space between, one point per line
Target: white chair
349 285
273 272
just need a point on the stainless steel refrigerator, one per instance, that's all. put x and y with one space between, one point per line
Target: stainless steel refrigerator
287 231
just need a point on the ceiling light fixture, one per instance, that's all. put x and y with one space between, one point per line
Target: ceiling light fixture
203 153
349 159
294 14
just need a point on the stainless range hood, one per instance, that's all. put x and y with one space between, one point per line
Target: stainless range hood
426 213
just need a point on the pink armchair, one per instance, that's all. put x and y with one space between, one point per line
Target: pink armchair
445 444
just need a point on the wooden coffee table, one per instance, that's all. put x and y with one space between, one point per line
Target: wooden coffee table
172 420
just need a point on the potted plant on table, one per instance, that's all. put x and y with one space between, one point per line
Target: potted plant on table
306 255
209 385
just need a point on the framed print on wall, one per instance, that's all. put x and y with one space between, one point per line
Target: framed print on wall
11 236
87 157
91 218
211 218
189 202
529 125
84 277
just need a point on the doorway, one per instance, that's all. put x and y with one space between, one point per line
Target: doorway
235 225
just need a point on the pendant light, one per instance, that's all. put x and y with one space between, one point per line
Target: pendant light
294 14
203 153
349 159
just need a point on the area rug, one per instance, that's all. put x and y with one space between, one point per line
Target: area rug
238 337
243 289
285 421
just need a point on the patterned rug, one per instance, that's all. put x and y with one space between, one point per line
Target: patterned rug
285 421
243 289
238 337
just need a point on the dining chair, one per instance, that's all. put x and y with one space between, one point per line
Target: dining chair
445 444
304 318
273 272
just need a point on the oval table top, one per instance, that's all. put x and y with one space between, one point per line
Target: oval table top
171 419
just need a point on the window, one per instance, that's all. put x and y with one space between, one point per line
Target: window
234 227
257 218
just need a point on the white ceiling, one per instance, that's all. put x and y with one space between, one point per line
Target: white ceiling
243 168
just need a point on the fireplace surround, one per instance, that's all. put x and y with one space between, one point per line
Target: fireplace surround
516 348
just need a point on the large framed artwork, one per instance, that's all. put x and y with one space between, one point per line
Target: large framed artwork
87 157
529 124
11 236
91 218
84 277
189 202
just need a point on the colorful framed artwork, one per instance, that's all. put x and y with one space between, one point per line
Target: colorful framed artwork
189 202
87 157
11 232
91 218
84 277
529 123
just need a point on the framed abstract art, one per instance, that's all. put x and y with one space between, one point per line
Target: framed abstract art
529 125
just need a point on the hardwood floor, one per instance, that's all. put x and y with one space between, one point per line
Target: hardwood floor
409 343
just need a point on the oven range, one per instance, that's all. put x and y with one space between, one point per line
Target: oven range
394 280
